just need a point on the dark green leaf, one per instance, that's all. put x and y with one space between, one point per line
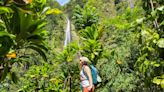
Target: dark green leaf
39 51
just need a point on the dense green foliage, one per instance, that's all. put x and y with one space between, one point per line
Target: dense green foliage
84 17
124 39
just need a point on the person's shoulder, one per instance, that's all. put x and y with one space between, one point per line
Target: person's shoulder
86 67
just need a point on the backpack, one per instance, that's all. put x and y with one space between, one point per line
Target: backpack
95 76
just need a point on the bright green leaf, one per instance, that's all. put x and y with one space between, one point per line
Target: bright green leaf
160 8
162 76
156 65
5 10
162 83
54 11
156 81
160 43
146 62
139 21
32 76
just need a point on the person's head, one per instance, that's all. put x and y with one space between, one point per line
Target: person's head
84 61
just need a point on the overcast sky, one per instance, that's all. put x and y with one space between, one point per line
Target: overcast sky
62 2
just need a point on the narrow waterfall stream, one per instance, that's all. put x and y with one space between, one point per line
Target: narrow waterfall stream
67 33
66 42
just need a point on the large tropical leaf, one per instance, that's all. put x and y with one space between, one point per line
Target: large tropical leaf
4 10
14 22
5 43
159 80
13 77
160 43
4 73
100 32
88 33
42 46
2 25
92 32
39 50
26 27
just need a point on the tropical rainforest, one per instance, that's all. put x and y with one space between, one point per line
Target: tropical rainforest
41 42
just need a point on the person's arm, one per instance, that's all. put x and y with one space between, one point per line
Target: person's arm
82 78
88 72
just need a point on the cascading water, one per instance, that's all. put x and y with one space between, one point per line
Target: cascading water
66 42
67 33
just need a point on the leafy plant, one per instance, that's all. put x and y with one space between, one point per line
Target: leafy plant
91 46
21 30
84 17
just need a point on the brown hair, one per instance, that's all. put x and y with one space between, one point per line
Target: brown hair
84 63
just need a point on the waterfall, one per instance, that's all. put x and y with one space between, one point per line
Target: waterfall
66 42
67 33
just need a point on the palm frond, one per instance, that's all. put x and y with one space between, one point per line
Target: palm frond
5 42
13 77
4 9
4 73
39 50
42 46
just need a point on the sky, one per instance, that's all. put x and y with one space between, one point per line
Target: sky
62 2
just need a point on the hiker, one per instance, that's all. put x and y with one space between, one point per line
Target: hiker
85 75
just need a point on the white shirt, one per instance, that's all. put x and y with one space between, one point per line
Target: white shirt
84 83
